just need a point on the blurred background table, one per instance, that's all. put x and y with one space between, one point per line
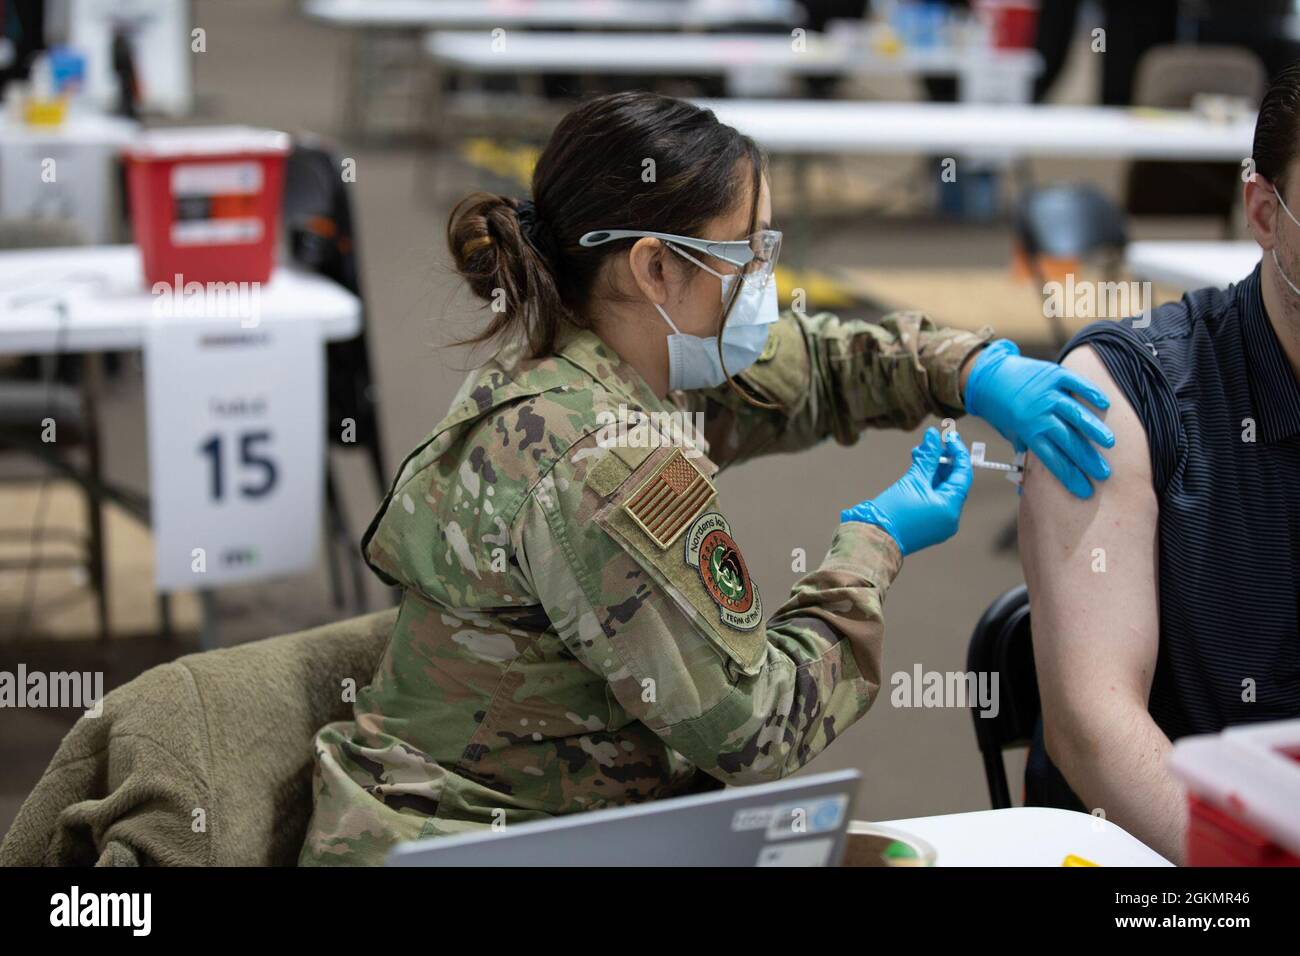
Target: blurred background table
746 60
1192 265
94 299
588 14
1010 131
382 30
1027 836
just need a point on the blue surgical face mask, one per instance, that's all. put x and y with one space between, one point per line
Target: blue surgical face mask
1282 272
693 360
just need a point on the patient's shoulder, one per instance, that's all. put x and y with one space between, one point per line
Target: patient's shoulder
1131 366
1090 564
1130 481
1061 535
1085 360
1131 442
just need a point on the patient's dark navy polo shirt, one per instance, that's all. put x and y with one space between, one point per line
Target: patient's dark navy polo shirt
1205 372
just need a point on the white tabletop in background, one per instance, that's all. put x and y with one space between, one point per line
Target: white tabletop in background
106 305
1027 836
669 53
662 53
843 126
1192 265
624 14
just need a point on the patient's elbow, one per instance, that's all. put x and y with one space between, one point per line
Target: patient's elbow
1066 742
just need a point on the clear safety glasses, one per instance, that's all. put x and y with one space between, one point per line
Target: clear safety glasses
755 256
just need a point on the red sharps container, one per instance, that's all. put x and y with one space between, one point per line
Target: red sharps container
205 202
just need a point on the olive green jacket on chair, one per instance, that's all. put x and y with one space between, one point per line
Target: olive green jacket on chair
206 760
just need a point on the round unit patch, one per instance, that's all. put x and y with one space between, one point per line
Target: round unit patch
712 551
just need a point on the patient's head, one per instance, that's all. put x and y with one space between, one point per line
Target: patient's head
1272 196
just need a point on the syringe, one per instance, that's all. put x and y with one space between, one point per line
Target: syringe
1015 471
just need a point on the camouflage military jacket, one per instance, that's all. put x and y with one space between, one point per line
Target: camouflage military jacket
578 628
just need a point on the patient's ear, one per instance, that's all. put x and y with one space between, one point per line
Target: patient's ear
1262 211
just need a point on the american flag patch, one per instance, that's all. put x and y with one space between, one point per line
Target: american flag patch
668 499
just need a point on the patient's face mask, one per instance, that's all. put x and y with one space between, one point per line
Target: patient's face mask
1276 261
693 360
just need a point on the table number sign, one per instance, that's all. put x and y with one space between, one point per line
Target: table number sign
236 449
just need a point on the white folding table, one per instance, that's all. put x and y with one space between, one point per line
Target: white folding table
818 127
743 59
375 24
1192 265
1027 836
584 14
983 132
94 299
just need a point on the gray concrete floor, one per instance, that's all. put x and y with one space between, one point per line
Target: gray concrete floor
265 65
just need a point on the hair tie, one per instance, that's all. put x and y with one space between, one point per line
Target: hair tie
536 231
474 245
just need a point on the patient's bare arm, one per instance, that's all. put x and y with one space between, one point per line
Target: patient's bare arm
1091 570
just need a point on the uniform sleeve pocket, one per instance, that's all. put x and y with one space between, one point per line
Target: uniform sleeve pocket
663 515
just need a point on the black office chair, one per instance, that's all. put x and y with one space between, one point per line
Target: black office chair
1076 221
1001 645
322 239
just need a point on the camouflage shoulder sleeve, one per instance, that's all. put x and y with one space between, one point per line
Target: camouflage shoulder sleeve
638 571
833 377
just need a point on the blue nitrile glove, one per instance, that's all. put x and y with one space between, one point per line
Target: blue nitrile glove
923 507
1030 404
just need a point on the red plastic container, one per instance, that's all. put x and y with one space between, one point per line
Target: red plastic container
1013 24
205 203
1243 795
1216 839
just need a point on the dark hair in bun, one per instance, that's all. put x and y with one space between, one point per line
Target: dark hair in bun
622 161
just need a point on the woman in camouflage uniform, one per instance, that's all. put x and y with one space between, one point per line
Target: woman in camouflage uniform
578 627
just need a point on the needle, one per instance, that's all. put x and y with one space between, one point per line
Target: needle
977 450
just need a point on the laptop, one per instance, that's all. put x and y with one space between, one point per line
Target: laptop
795 822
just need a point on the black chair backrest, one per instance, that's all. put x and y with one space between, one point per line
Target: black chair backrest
1001 644
318 221
1069 220
318 213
